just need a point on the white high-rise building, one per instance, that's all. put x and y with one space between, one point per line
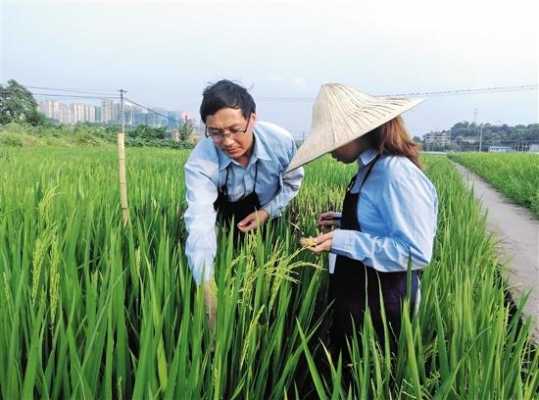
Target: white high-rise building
56 110
77 112
64 114
82 113
106 111
116 114
47 108
89 113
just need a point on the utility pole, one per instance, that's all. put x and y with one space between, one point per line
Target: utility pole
121 162
481 129
480 137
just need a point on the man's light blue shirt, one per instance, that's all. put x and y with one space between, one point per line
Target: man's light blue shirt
205 172
397 212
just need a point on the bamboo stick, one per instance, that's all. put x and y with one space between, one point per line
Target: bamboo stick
121 164
122 177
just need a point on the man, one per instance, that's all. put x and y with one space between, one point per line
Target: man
235 173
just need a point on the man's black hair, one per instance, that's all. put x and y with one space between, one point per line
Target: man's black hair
226 94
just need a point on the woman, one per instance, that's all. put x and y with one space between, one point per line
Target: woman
388 219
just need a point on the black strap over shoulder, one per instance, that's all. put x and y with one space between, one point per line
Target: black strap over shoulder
223 189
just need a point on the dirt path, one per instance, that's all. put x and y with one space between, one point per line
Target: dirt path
518 233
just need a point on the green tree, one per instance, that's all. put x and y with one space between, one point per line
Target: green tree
18 105
147 132
186 130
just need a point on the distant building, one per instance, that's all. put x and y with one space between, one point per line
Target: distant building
437 139
89 113
98 116
130 114
47 108
173 119
116 113
55 110
109 113
534 148
466 140
499 149
64 114
159 120
106 111
140 118
79 112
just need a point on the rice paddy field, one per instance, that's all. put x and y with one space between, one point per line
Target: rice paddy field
92 309
515 175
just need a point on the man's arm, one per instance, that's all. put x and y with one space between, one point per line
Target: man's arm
200 217
290 184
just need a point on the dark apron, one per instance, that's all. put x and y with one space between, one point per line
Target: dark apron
354 287
234 211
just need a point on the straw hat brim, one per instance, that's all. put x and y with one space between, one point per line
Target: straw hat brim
342 114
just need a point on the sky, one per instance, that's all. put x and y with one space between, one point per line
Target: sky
165 52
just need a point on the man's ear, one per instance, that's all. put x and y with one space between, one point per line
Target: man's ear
253 117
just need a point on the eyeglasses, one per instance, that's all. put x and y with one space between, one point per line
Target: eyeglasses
218 135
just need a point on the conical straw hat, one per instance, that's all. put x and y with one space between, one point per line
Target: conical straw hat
341 114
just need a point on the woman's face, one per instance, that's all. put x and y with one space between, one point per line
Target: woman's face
350 152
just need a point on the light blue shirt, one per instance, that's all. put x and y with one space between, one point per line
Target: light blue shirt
397 212
205 171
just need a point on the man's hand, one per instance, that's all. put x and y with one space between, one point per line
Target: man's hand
210 302
253 220
323 243
329 220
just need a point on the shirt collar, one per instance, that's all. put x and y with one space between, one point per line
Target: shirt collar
259 153
366 157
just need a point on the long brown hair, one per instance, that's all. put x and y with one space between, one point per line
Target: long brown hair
393 138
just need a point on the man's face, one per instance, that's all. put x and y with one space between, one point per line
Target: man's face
231 132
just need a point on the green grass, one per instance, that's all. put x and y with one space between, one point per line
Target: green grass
76 136
92 310
17 135
515 175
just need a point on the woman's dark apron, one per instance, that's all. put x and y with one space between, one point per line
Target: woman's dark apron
354 287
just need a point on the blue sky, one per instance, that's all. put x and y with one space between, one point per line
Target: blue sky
165 52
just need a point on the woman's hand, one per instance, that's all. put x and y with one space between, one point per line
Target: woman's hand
323 243
329 220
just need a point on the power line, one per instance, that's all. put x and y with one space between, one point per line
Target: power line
453 92
4 91
498 89
151 110
74 96
497 141
145 107
82 91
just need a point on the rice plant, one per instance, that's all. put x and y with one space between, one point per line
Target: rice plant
514 174
95 310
